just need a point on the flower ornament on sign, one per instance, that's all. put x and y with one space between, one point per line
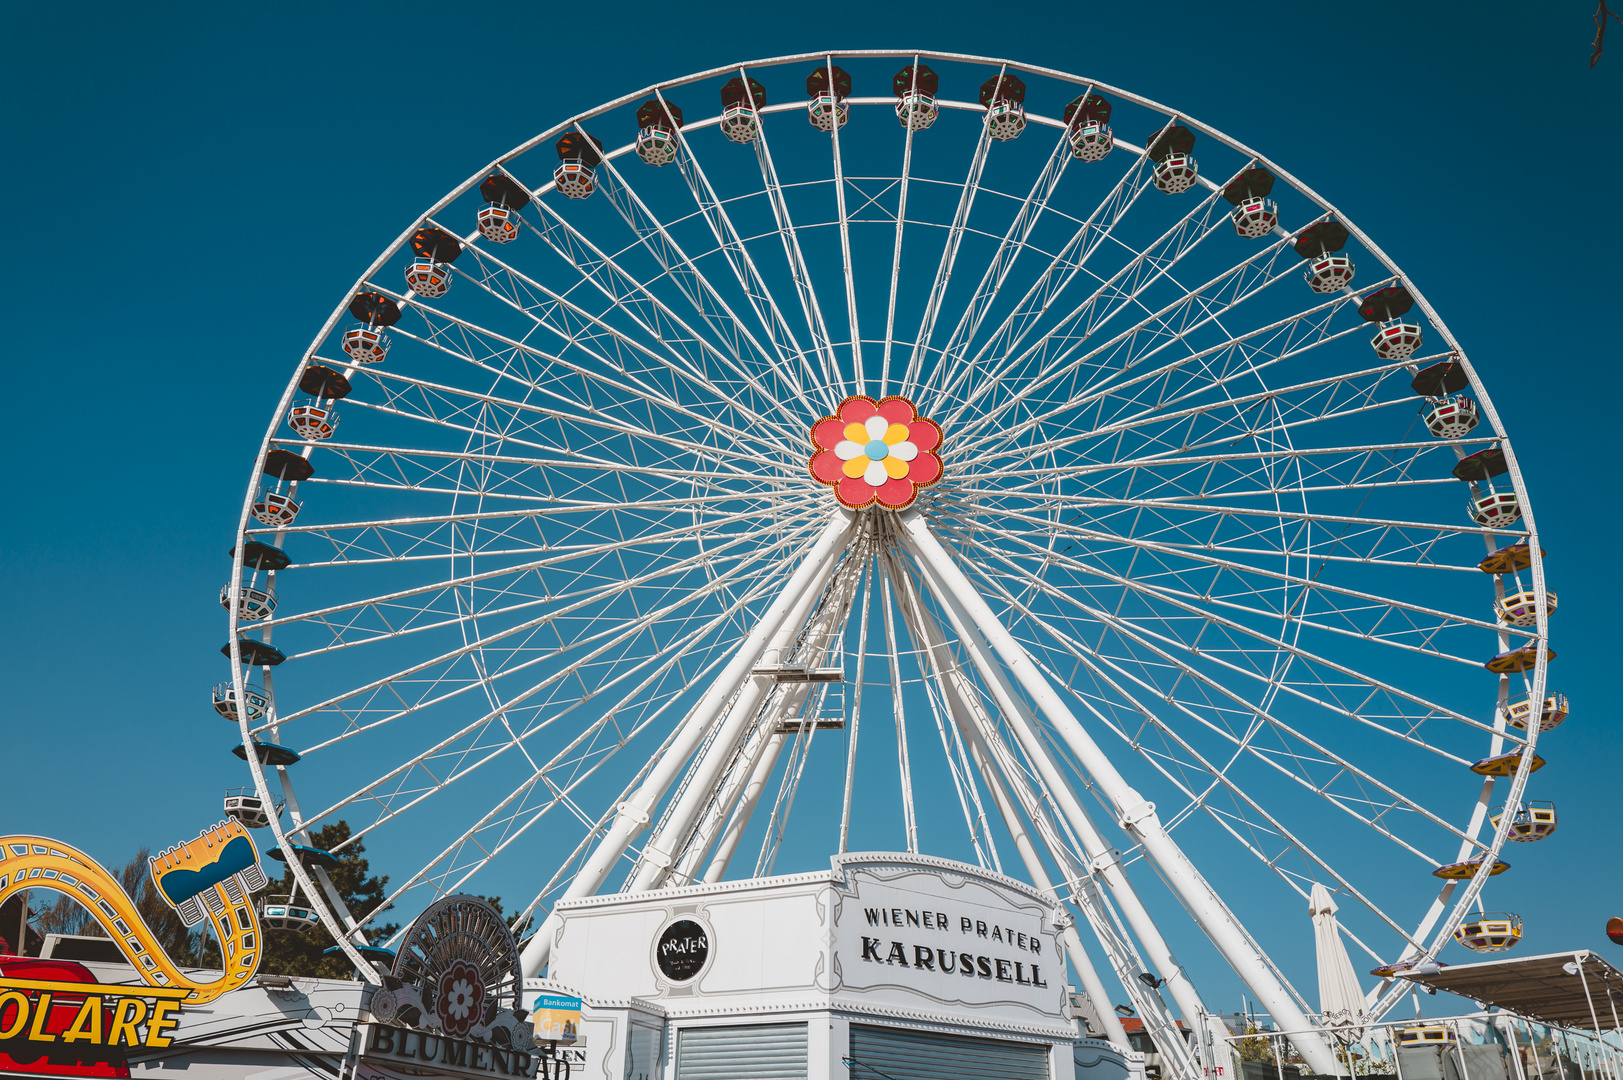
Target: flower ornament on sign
876 451
460 1003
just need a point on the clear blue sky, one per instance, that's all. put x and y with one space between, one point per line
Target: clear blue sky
198 183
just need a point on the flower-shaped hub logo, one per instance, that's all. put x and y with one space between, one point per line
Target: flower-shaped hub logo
876 451
460 1003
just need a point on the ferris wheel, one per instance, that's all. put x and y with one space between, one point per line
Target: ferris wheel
736 467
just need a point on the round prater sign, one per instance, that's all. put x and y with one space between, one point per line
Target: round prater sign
682 950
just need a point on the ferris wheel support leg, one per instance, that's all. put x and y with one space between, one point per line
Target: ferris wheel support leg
634 813
1135 814
757 747
707 773
759 775
1104 860
977 727
1086 973
754 765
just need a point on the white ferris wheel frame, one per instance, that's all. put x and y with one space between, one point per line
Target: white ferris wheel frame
999 658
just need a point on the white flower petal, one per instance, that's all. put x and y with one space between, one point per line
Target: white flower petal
877 426
876 474
904 450
845 449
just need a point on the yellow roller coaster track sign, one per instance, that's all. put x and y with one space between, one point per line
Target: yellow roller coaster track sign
210 877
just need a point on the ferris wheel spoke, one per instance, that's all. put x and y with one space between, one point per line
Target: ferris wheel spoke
577 751
1269 644
1206 590
1002 262
1116 292
446 536
763 560
1292 407
1239 475
611 348
1089 374
1103 369
536 426
530 815
896 254
738 258
913 378
655 237
509 359
805 290
736 417
562 555
855 333
623 289
1244 357
1162 648
531 476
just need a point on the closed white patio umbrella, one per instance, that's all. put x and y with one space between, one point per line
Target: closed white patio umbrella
1341 1002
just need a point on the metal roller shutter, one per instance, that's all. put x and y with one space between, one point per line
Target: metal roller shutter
745 1052
897 1054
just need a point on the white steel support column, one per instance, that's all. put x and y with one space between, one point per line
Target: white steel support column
634 813
1081 962
1135 814
788 703
718 812
746 807
706 773
1103 858
966 713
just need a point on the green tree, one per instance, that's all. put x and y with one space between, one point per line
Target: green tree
299 952
66 915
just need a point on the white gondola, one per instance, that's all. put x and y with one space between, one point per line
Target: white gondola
429 279
1521 608
1396 339
498 224
1494 508
275 508
254 602
313 419
366 344
248 808
1530 822
1489 931
1452 417
225 701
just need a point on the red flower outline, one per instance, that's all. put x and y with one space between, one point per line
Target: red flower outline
461 989
897 492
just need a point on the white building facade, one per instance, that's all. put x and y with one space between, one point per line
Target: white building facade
885 967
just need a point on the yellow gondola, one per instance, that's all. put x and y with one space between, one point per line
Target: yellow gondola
1517 661
1490 931
1531 821
1505 764
1460 871
1554 711
1521 608
1420 1035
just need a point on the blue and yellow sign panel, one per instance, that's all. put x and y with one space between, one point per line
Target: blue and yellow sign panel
556 1018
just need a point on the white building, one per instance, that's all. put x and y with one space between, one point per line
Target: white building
885 967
